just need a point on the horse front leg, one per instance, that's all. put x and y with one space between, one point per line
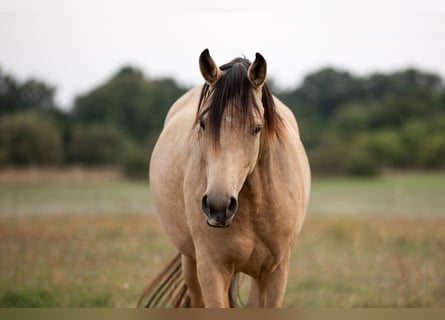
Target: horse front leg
272 286
254 296
214 280
191 280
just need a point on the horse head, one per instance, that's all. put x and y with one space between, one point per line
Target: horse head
235 114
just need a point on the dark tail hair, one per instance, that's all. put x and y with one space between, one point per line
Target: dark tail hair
168 289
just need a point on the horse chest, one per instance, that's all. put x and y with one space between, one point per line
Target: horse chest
262 245
262 256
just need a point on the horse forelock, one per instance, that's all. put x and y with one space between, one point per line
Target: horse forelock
233 95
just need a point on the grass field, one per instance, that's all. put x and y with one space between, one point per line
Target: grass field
413 194
377 242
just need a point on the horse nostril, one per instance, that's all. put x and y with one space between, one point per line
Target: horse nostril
205 205
233 205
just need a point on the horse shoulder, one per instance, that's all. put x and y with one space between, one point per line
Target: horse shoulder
288 175
171 147
301 164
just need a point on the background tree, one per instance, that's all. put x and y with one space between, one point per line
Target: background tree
136 105
96 144
354 125
31 94
28 138
349 124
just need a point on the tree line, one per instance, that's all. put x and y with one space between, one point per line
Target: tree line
350 124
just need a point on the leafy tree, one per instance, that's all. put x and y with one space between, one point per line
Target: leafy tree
405 83
349 124
29 138
432 151
361 162
96 144
369 122
135 161
425 142
326 90
328 156
31 94
387 147
136 105
351 119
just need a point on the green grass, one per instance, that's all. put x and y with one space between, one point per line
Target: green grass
415 194
102 197
97 244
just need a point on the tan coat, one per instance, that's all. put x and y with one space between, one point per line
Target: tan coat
253 189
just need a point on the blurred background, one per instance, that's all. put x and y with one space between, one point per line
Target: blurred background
84 90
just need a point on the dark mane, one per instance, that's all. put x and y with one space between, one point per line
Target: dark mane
233 93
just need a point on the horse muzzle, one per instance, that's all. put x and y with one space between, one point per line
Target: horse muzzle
219 212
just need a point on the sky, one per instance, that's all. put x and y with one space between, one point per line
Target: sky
77 45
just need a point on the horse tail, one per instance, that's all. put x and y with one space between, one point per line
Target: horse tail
168 289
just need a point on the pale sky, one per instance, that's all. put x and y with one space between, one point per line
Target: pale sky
76 45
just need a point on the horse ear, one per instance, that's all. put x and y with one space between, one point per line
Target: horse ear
209 70
257 71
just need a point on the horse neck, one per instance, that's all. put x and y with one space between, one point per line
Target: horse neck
261 179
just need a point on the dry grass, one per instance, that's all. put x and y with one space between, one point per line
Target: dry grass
107 260
62 174
370 261
81 238
78 260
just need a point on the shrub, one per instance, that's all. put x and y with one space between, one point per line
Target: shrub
134 162
387 147
29 138
432 151
360 162
96 144
351 119
328 157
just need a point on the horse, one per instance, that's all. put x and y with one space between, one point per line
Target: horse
230 181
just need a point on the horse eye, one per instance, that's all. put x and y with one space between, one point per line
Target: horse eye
257 130
201 124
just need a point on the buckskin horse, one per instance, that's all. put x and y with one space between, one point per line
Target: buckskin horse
230 181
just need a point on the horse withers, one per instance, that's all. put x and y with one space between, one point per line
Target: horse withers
230 182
